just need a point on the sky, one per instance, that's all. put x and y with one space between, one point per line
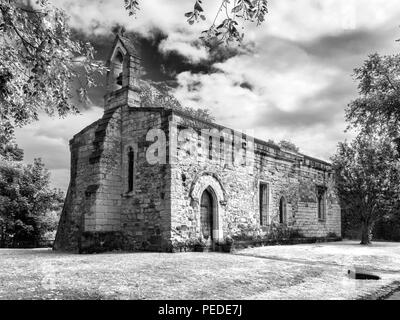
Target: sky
290 79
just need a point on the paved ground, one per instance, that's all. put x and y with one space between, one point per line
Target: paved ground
309 271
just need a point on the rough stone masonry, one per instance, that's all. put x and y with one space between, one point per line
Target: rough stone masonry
199 186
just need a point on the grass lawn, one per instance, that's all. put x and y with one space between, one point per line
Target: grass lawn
309 271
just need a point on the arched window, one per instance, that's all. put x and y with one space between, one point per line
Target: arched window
244 152
282 210
321 195
264 203
131 163
210 147
117 68
206 214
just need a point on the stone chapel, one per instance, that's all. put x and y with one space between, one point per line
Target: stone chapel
136 185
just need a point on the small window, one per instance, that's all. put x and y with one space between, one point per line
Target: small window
222 146
210 147
321 203
131 163
282 210
117 68
264 204
244 153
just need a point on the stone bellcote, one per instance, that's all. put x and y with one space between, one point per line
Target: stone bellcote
123 76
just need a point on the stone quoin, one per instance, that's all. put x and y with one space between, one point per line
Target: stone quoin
193 186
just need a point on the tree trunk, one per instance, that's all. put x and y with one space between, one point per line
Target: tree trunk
366 232
3 242
1 237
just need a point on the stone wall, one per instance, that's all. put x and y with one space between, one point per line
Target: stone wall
98 206
77 201
192 173
145 210
93 199
104 213
164 205
292 176
307 219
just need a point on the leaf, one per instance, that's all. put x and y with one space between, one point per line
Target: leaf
40 61
197 7
237 9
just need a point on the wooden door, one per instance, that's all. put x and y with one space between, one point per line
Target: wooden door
206 214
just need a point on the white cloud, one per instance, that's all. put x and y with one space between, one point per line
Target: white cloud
60 178
309 19
277 79
283 76
296 20
99 16
49 138
230 104
183 44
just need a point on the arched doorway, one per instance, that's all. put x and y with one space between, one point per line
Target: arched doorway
214 205
206 214
282 210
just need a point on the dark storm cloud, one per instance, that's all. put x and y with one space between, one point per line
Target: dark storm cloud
161 66
345 51
349 48
246 85
295 119
325 108
165 66
157 65
350 42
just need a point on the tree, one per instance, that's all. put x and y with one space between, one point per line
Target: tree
10 151
289 145
367 179
40 64
377 111
159 94
378 107
229 19
28 206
